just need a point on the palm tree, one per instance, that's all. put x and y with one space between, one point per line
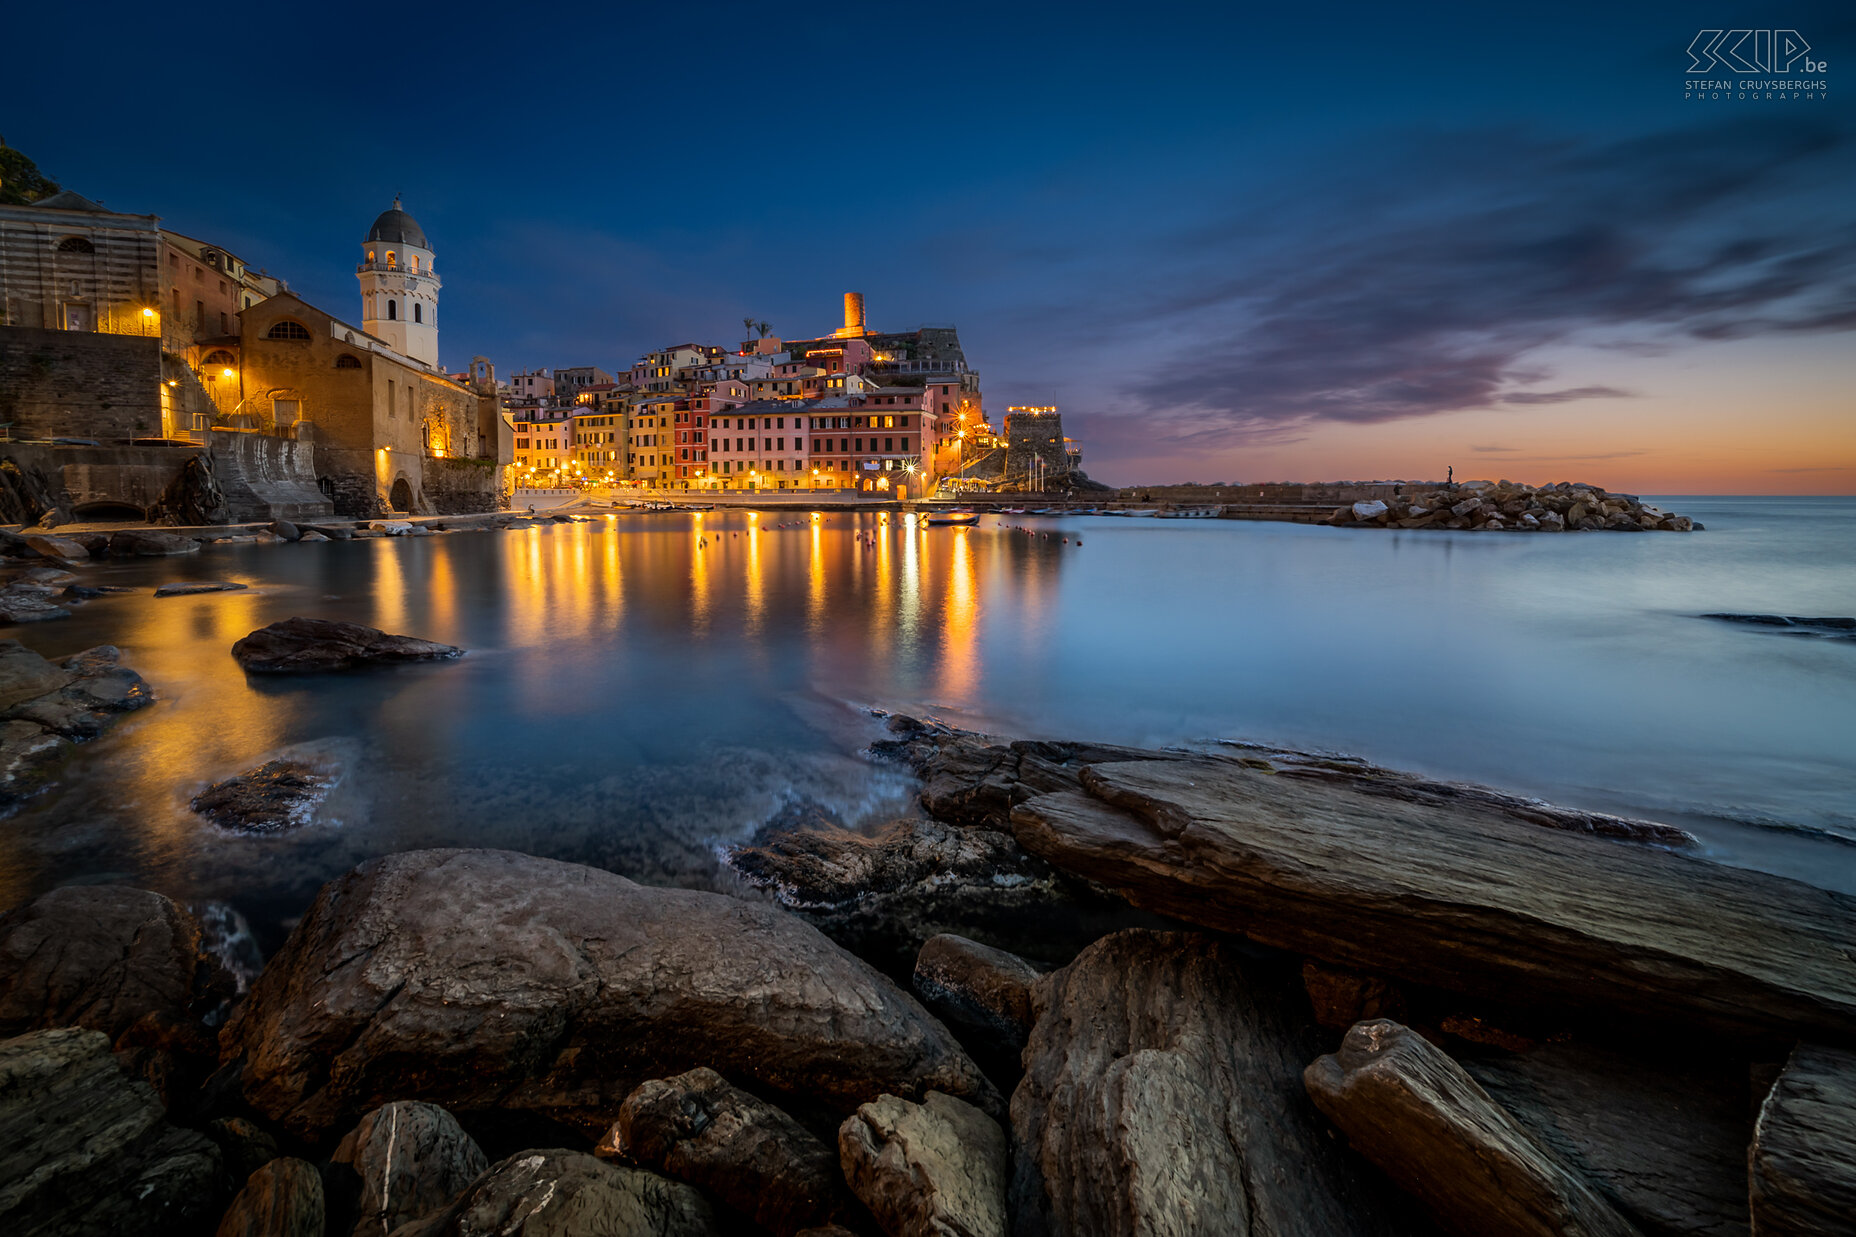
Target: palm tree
748 323
764 327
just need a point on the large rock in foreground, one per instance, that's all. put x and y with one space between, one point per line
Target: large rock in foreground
1802 1166
103 957
1463 896
482 979
404 1161
85 1150
282 1198
1163 1094
312 646
937 1167
1410 1109
560 1193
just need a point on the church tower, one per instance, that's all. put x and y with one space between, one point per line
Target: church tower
399 289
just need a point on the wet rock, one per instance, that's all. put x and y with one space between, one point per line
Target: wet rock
882 894
90 592
309 646
102 957
99 691
411 1160
277 796
1151 1042
313 535
483 979
1793 625
67 548
28 607
740 1150
1662 1141
334 532
1411 1110
559 1193
1459 895
281 1199
25 675
85 1150
1368 511
1341 998
28 753
937 1167
285 529
1802 1165
146 543
983 993
190 588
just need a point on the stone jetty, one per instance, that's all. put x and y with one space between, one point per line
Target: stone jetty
1508 506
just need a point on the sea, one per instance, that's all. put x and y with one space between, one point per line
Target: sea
644 688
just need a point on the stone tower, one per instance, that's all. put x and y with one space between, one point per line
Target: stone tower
399 288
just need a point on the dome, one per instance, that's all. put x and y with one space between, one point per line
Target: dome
396 227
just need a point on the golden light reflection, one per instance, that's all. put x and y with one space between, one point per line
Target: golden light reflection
756 586
960 624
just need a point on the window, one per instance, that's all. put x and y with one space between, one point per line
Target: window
223 329
344 361
283 411
218 356
199 315
418 312
288 330
75 244
393 261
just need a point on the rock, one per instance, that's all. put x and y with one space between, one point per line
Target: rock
277 796
338 532
386 991
983 993
1841 627
1411 1110
24 675
313 535
1151 1043
102 957
881 895
146 543
245 1145
281 1199
411 1160
285 529
1663 1141
1368 511
28 607
86 1150
1459 894
740 1150
559 1193
1341 998
307 646
390 528
58 547
90 592
55 517
100 690
1801 1168
188 588
937 1167
28 752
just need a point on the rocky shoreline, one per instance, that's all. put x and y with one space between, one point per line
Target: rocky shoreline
1509 506
1089 990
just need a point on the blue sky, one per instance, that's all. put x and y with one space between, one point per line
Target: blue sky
1230 240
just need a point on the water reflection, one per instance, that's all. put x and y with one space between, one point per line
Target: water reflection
641 687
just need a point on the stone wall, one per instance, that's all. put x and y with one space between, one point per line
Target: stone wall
266 477
461 487
86 480
77 384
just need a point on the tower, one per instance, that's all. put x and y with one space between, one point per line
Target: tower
399 289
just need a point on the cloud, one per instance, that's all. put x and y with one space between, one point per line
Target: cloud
1819 468
1429 276
1494 450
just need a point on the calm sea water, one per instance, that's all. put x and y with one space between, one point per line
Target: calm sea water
644 686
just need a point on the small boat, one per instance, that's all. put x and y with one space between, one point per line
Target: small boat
1190 513
1144 514
1011 511
958 518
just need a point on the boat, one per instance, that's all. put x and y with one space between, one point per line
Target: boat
961 519
1190 513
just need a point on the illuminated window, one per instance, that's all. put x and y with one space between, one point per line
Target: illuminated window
393 260
288 330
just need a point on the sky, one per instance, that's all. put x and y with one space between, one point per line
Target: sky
1232 242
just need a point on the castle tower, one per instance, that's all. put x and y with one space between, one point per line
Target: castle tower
399 289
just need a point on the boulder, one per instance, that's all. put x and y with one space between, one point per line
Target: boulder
285 529
86 1150
740 1150
1368 510
1801 1169
245 1145
312 535
277 796
1461 894
58 547
983 993
403 1162
99 691
189 588
308 646
882 894
281 1199
1662 1139
1153 1042
560 1193
103 957
28 753
937 1167
487 980
146 543
1411 1110
24 675
25 606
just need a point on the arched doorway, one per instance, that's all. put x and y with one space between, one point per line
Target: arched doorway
401 497
106 509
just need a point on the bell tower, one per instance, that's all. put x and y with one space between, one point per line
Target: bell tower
399 288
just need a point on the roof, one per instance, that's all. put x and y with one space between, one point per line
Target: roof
67 200
396 227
